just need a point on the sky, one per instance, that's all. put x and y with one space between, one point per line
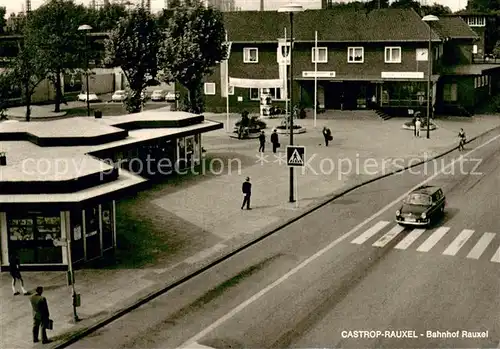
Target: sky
157 5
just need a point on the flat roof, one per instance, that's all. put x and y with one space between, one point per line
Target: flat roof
471 69
27 161
124 181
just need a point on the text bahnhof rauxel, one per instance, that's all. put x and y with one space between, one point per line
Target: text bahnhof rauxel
362 334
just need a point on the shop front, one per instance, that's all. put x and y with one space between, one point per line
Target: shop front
38 237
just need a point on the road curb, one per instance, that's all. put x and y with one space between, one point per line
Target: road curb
78 334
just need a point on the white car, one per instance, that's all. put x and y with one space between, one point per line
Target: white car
119 96
158 95
92 97
170 97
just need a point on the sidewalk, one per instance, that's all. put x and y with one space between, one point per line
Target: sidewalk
199 219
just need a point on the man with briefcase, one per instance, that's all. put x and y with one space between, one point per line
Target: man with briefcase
40 316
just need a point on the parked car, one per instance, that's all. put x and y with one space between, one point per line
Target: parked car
421 206
92 97
170 97
119 96
158 95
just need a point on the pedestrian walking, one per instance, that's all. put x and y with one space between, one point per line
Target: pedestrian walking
462 137
275 140
418 124
41 315
414 121
327 134
246 188
262 142
15 272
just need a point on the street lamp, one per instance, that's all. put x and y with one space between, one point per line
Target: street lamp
429 18
291 9
86 28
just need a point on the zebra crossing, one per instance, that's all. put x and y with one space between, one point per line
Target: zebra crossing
382 233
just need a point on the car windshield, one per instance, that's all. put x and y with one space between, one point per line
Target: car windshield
418 199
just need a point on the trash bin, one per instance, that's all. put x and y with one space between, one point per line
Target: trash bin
98 114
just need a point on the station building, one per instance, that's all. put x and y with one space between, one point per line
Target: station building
375 59
60 180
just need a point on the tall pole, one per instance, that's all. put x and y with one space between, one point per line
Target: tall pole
227 89
87 75
286 75
292 199
429 72
72 278
315 76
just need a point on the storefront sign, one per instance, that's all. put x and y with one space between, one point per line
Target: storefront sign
256 83
402 75
92 233
318 74
77 232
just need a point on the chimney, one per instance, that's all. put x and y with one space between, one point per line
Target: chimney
262 5
3 159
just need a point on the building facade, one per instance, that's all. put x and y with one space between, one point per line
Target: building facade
60 180
375 59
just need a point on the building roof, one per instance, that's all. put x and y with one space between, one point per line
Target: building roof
333 25
470 69
70 168
453 28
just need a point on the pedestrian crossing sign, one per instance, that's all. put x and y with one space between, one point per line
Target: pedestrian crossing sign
296 155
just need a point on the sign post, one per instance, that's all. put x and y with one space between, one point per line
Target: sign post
296 157
76 301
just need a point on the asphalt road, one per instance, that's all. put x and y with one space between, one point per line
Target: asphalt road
317 281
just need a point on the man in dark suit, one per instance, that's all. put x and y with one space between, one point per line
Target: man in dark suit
275 141
246 188
40 315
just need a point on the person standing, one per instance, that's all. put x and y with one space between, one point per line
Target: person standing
462 137
327 134
40 315
418 125
275 140
262 142
246 188
15 272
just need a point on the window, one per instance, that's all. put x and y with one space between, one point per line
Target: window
230 90
474 49
476 21
355 55
274 92
450 92
322 55
250 55
209 88
393 55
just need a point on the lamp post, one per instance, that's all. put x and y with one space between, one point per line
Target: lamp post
291 9
429 18
86 28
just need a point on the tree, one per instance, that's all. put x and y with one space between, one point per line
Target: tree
484 6
3 20
407 4
55 36
194 43
28 70
5 88
436 10
134 46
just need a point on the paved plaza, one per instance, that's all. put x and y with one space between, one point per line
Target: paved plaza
202 217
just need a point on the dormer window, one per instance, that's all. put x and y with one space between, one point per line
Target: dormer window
476 21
